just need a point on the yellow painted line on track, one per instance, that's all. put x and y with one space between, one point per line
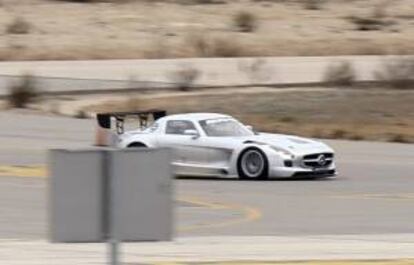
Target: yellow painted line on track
247 213
33 171
321 262
377 196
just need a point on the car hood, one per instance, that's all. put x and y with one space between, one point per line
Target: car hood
293 144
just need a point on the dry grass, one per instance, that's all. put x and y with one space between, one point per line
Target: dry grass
153 29
344 114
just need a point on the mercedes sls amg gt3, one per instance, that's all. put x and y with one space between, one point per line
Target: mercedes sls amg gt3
210 144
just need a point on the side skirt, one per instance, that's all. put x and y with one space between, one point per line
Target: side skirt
184 169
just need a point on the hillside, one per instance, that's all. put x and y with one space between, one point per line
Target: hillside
51 29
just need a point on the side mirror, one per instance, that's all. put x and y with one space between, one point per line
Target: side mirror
192 132
249 127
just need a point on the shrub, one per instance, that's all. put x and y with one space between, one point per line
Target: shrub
213 46
257 70
151 1
377 20
368 23
185 77
132 104
245 21
22 93
199 44
356 137
398 138
80 114
397 73
54 108
287 119
18 26
317 133
91 1
225 47
208 2
338 134
340 74
313 4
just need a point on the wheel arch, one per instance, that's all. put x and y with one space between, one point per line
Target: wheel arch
265 157
238 151
143 140
273 159
136 144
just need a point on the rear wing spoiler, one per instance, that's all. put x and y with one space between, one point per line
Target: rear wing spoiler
103 133
104 119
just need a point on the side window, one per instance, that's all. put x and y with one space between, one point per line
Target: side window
179 126
152 128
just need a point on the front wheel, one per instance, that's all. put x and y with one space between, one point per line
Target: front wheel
252 164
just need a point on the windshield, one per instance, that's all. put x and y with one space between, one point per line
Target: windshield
224 127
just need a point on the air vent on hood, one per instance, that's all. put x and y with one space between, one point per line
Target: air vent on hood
299 141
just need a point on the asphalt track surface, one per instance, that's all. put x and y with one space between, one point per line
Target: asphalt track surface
374 193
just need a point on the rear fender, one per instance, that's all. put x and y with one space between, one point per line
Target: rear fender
147 140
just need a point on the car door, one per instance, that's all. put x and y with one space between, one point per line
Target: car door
187 149
220 150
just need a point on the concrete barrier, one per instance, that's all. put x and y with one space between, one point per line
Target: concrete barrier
124 75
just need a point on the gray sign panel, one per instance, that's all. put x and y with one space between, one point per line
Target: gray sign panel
143 195
125 194
76 196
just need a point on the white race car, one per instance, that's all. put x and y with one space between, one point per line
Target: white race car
209 144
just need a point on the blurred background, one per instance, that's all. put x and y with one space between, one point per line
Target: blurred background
131 29
328 97
329 69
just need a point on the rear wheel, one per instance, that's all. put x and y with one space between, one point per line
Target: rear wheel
252 164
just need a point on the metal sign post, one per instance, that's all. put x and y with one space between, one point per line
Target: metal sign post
109 209
114 252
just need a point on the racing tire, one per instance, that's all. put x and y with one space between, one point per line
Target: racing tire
252 164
